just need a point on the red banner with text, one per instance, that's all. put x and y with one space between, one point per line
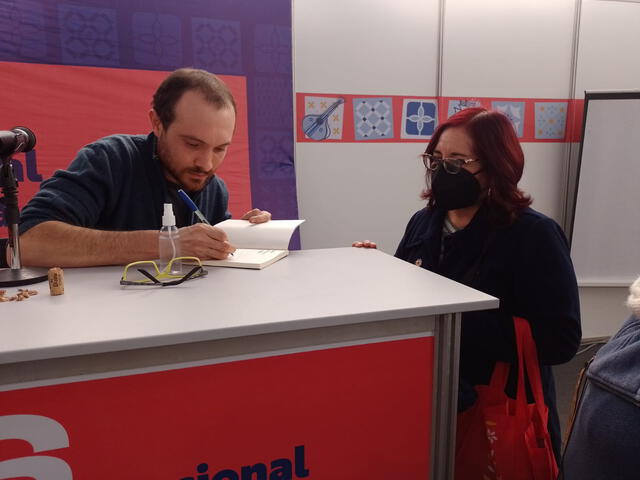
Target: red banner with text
356 412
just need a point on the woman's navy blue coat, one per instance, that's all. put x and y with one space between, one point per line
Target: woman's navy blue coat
527 266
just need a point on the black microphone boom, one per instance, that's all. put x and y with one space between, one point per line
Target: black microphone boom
18 139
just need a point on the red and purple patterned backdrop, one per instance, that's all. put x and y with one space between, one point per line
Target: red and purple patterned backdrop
74 71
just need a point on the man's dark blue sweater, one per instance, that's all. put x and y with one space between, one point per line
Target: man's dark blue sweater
117 183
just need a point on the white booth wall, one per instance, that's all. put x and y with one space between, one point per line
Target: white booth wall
609 39
496 48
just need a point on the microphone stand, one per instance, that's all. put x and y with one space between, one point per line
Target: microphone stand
16 275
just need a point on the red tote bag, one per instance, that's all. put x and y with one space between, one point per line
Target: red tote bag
501 438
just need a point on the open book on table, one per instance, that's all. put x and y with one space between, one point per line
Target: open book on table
258 244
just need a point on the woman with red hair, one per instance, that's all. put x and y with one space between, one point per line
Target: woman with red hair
478 229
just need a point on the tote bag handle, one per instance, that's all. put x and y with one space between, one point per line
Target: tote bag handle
527 360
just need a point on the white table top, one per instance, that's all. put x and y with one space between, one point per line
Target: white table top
307 289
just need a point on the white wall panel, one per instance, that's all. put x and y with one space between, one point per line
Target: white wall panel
351 191
357 192
377 47
608 46
609 40
603 310
508 48
544 176
515 49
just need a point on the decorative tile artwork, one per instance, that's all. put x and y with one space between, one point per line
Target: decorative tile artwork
273 104
394 118
272 45
323 118
514 111
373 118
157 39
419 118
274 152
456 106
217 45
551 120
22 30
89 35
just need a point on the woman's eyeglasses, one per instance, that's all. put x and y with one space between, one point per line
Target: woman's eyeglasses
451 165
146 272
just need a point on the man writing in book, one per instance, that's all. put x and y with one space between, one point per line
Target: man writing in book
106 208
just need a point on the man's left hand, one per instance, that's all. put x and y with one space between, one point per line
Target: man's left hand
257 216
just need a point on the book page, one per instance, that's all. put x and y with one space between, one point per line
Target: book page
249 258
274 234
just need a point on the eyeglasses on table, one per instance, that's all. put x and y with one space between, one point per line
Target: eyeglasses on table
147 273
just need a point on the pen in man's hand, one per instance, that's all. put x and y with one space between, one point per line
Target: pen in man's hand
192 206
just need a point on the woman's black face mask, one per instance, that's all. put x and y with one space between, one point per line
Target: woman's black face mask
453 191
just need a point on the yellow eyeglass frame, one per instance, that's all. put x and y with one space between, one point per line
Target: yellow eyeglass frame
163 278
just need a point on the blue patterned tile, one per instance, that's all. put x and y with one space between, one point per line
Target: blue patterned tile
217 45
272 49
22 30
551 119
514 112
157 39
373 118
458 105
273 103
419 118
88 36
273 154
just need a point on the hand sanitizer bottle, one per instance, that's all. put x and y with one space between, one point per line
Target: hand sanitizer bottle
169 242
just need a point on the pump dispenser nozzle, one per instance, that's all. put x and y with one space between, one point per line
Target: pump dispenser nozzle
168 219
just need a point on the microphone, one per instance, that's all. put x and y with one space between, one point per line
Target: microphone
18 139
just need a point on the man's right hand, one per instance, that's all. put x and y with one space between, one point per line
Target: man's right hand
205 242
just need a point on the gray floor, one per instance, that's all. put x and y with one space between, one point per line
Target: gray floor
566 377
